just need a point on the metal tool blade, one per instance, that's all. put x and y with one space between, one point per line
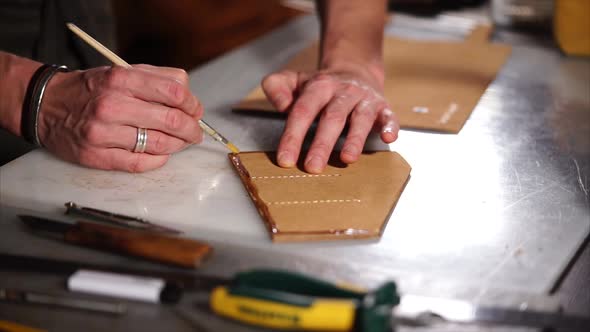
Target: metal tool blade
115 218
51 227
427 311
107 307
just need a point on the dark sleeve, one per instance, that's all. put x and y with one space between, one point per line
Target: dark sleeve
36 29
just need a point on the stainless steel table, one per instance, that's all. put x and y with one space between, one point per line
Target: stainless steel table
493 214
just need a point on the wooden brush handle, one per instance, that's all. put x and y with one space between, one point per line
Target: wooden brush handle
149 245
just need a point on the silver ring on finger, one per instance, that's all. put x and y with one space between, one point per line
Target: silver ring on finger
141 142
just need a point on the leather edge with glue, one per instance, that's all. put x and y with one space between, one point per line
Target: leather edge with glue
296 236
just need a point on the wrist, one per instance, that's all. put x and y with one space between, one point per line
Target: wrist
15 74
56 102
36 92
343 55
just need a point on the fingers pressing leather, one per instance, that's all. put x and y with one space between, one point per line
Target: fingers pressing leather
362 120
331 124
314 97
388 125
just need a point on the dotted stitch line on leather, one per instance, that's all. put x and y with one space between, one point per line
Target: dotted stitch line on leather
444 119
317 201
293 176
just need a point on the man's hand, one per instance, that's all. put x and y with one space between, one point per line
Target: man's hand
91 117
348 86
335 95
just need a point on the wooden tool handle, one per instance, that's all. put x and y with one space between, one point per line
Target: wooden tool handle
149 245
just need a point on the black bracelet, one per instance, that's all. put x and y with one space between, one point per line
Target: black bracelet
33 99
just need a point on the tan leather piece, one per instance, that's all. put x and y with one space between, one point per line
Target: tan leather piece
343 202
432 85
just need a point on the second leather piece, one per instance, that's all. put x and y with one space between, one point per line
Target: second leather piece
433 85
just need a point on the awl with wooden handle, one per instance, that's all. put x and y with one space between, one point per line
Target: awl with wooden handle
144 244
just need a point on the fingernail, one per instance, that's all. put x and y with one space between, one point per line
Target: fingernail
314 165
390 132
285 159
389 127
